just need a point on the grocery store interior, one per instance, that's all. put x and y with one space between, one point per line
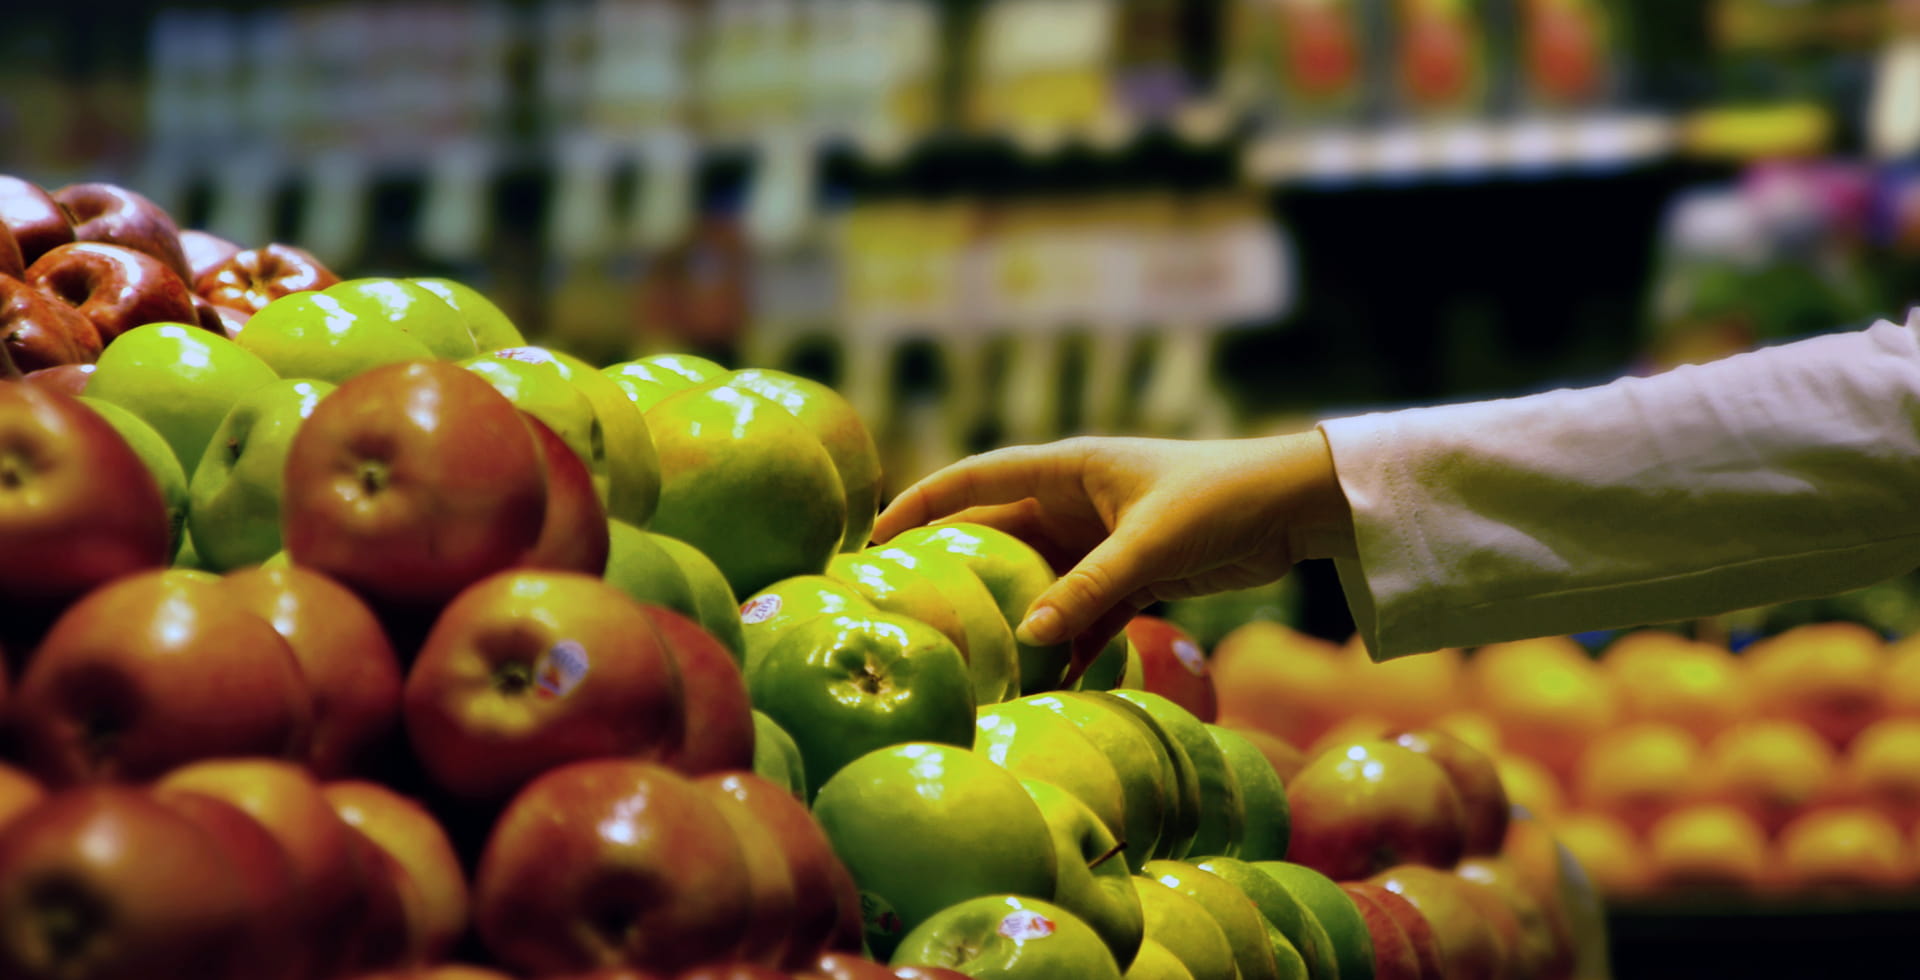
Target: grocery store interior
990 222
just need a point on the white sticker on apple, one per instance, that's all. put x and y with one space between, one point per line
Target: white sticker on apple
526 355
1190 657
1026 926
760 610
561 669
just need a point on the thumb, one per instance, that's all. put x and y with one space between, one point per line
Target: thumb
1106 578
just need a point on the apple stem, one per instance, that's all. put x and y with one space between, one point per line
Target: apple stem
11 468
1104 858
373 476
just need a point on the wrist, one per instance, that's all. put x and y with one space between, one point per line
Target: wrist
1321 522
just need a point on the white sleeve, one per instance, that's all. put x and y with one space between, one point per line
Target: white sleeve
1787 472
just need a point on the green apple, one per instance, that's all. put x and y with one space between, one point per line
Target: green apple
1185 928
1009 937
1117 664
1263 797
152 448
1093 880
1014 573
895 588
692 367
1284 911
746 483
924 826
714 603
1242 924
179 379
1154 962
1288 962
1036 744
773 612
187 556
1147 776
543 394
1222 810
1183 814
412 308
990 648
832 420
310 335
776 758
1335 911
639 564
235 495
490 327
632 465
646 384
846 685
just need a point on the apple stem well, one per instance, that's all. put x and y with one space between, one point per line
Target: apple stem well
70 919
13 470
513 677
372 475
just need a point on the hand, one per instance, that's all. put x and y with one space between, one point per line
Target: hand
1133 521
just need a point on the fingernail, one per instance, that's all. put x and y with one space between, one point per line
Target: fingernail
1040 628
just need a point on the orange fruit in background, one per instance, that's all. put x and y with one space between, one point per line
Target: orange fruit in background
1882 768
1612 856
1280 681
1409 692
1530 785
1844 850
1770 767
1549 699
1825 674
1900 689
1708 845
1638 771
1472 727
1666 677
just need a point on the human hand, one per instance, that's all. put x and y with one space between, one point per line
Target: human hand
1128 522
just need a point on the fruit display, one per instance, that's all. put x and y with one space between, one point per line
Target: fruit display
350 635
1672 768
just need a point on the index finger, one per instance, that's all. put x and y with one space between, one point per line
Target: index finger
1002 476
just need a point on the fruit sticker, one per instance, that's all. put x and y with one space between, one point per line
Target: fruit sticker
1190 657
561 669
525 355
1026 926
878 915
760 610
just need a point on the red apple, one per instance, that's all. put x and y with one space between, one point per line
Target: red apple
1474 937
410 835
611 861
40 332
107 882
1173 665
775 900
1363 807
115 287
118 216
204 250
223 320
574 536
37 221
18 792
1483 799
264 872
77 506
734 971
851 966
527 670
349 666
391 924
11 263
69 379
250 279
153 671
462 971
608 973
411 482
719 735
1394 955
288 802
820 881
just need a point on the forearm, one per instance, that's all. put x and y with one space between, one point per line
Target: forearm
1782 473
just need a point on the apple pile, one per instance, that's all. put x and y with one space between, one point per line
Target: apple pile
406 644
